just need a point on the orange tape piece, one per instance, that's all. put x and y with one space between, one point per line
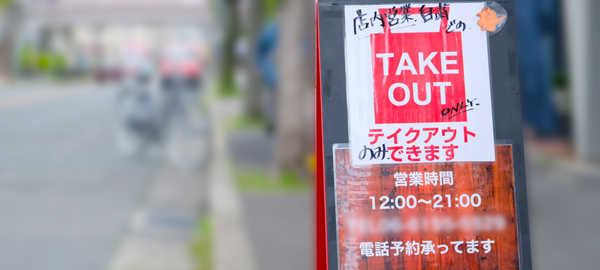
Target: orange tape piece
489 19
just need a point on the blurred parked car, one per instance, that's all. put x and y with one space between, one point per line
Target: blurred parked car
180 65
109 70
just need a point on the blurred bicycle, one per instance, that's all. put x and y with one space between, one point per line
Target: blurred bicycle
166 114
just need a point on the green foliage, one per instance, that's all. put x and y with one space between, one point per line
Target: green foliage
561 80
228 91
270 8
45 62
27 58
260 181
50 63
6 3
202 247
245 122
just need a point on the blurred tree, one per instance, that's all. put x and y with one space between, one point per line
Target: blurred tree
292 142
261 74
254 97
9 27
228 55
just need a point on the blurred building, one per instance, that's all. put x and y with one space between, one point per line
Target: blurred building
77 37
581 39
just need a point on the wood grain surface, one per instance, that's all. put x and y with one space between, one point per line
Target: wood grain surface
494 182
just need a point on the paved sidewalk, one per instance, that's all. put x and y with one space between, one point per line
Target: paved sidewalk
232 250
280 226
279 223
563 211
161 233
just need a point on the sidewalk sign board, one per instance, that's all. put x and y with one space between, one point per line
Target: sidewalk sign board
458 215
419 136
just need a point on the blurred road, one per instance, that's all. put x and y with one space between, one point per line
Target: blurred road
66 195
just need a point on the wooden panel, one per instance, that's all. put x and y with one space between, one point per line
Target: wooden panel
492 182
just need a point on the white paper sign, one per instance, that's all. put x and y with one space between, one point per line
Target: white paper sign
418 84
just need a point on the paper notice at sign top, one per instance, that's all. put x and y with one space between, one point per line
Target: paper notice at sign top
418 84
